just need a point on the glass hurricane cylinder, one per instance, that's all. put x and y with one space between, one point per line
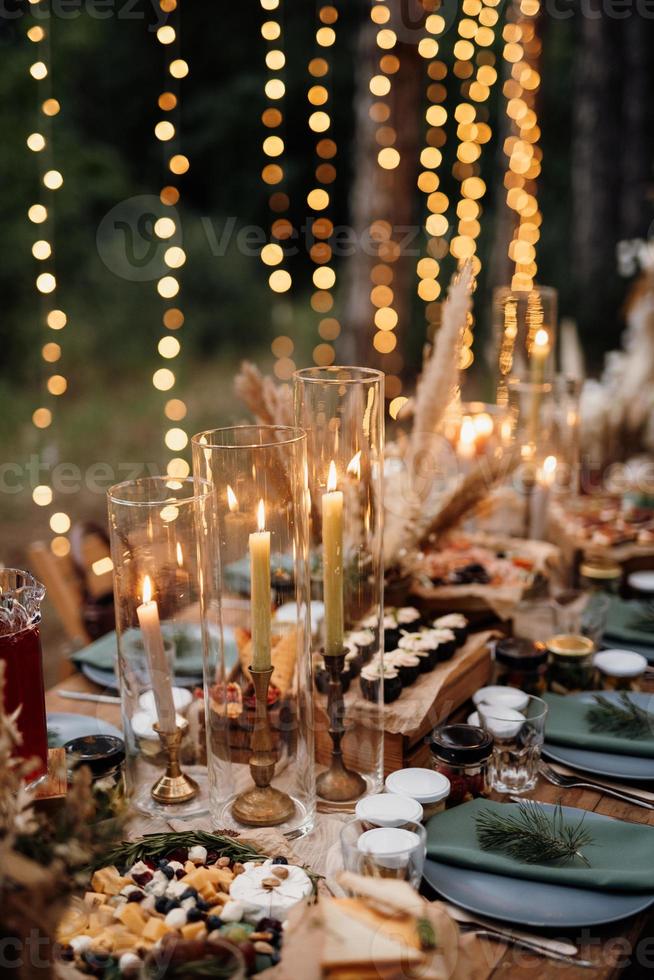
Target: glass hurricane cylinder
155 524
525 330
257 671
341 409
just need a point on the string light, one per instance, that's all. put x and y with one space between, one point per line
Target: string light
319 95
387 249
166 132
41 214
521 53
273 175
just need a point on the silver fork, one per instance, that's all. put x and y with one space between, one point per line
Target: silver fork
571 782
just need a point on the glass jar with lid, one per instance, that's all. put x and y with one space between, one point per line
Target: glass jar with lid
521 663
462 753
619 670
571 663
599 574
428 788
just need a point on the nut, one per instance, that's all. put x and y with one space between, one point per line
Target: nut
270 883
281 872
238 868
264 948
223 862
260 937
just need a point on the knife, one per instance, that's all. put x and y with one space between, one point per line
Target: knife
556 946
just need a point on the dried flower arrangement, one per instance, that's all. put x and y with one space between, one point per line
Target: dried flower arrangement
43 859
413 517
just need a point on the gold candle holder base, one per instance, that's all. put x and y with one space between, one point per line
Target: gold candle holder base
338 784
263 805
174 786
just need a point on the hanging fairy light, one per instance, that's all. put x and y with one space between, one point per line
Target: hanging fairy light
474 66
382 295
273 176
41 216
521 52
319 95
166 132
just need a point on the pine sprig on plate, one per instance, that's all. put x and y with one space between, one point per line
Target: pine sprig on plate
623 717
532 834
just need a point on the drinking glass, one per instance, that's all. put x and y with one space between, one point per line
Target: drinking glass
20 652
385 852
518 737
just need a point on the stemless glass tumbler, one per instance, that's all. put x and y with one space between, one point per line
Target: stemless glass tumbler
518 737
341 410
155 524
255 595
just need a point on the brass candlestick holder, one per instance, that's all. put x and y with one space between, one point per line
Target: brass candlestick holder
338 784
174 786
263 805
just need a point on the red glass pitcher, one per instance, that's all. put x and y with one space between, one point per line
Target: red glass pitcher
20 651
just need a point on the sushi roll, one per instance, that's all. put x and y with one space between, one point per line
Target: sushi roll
391 630
455 622
408 619
407 665
364 641
444 641
422 646
376 673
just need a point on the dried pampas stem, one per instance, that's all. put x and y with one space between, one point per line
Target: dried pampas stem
438 383
470 493
269 402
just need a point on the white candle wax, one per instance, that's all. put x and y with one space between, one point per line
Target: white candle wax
260 593
148 617
332 559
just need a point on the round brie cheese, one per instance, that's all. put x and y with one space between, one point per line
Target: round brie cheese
260 900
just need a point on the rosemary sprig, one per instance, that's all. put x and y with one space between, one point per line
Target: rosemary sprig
623 717
225 844
533 835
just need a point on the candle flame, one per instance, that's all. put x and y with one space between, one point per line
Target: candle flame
483 424
467 430
354 466
541 338
331 478
549 464
180 557
261 516
232 502
147 589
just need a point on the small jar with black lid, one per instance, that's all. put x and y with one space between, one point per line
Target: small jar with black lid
462 753
105 757
521 663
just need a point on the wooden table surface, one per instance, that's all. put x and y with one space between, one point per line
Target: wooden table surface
625 946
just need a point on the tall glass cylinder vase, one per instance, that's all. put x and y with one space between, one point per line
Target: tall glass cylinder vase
525 333
255 586
155 524
531 409
341 409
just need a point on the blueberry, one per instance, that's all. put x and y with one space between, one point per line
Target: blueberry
279 860
135 896
168 871
213 922
171 903
189 893
202 905
193 915
161 904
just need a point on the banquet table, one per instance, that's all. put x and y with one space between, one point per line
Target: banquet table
613 948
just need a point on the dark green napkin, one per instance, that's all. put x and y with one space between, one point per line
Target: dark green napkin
188 650
623 627
566 724
620 855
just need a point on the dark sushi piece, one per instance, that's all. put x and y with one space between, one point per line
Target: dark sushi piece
423 646
455 622
406 664
376 673
408 619
363 640
445 643
391 631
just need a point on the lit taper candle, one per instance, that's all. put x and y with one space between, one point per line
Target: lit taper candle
148 617
260 592
332 560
